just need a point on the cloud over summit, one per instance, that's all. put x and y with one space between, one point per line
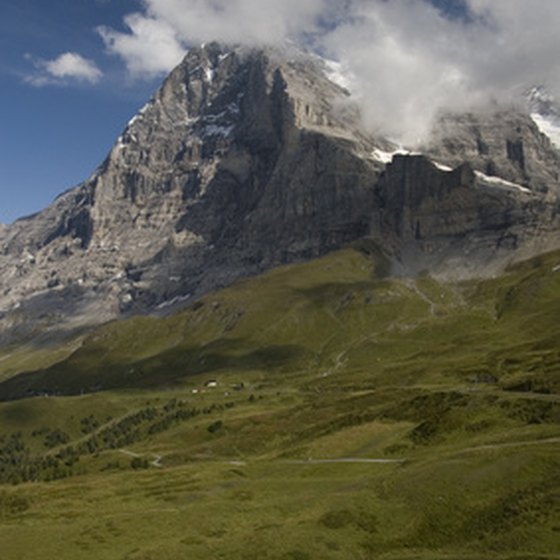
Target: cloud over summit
409 59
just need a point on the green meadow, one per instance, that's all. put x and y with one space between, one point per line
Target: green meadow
319 411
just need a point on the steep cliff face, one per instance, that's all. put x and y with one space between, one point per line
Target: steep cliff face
499 143
459 222
545 112
245 159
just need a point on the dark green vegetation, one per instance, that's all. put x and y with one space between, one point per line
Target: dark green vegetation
119 449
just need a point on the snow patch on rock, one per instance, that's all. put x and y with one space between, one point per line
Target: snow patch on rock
549 127
387 157
499 182
173 301
217 130
336 74
442 167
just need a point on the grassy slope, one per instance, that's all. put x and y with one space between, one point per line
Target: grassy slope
461 382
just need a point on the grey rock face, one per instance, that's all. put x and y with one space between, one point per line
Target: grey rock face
484 194
246 159
458 223
542 103
242 160
545 111
501 143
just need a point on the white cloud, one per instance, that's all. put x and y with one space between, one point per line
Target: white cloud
411 62
67 66
151 47
159 37
248 21
520 43
408 60
403 57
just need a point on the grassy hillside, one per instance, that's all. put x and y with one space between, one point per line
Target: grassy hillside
353 416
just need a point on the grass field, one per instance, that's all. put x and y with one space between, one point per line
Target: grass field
453 389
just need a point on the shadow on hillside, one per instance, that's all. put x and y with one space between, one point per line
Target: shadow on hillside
76 375
337 292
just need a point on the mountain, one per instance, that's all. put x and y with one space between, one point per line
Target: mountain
241 161
246 159
319 410
545 111
362 404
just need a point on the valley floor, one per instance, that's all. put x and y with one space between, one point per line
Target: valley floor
320 411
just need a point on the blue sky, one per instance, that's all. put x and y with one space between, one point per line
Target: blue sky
53 136
73 72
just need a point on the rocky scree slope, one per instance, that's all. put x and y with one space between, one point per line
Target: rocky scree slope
246 159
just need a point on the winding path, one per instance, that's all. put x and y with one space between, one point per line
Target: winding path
155 463
505 445
347 460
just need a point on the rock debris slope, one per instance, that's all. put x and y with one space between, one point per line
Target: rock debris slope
246 159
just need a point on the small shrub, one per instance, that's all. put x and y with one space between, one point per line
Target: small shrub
337 519
139 463
215 426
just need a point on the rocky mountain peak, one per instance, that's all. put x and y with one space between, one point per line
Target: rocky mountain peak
542 102
219 164
249 158
545 111
504 143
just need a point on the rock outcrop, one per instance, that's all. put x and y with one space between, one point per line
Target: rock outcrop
246 159
500 143
458 223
